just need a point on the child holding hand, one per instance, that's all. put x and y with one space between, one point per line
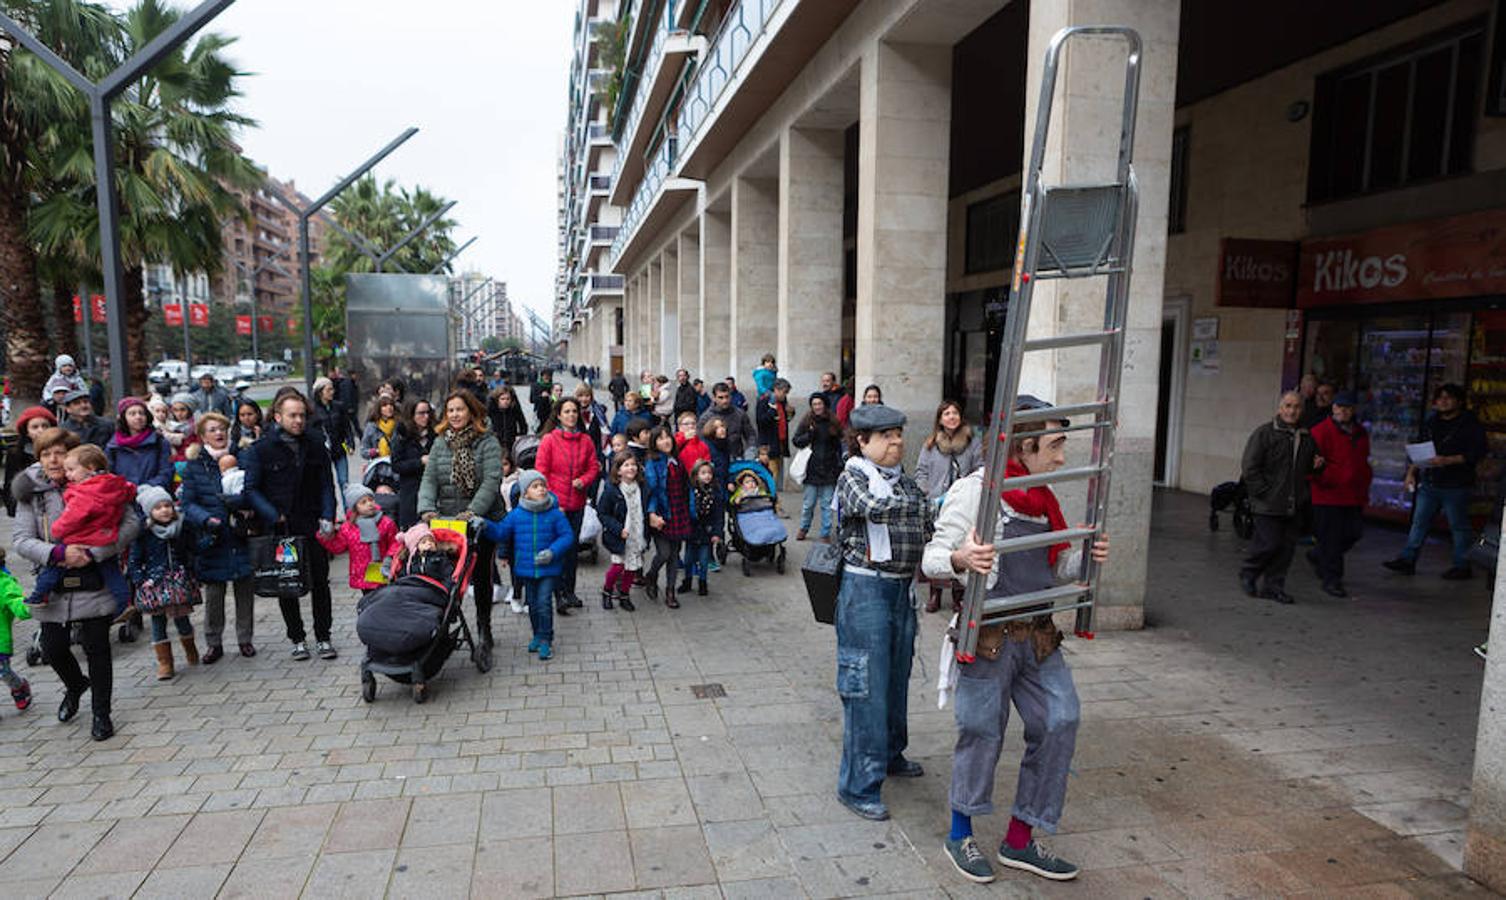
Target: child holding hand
623 528
12 607
535 536
367 535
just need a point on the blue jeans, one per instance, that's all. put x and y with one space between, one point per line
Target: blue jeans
697 561
342 469
875 641
159 627
1454 502
538 593
817 495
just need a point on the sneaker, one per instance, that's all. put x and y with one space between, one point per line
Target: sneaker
326 650
1458 573
1401 565
300 650
22 694
1279 595
1335 589
545 651
1038 860
715 566
1481 650
517 606
625 602
968 860
533 645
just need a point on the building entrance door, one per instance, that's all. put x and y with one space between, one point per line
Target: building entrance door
1170 389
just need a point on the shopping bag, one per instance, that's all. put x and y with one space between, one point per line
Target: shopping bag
279 566
822 572
798 464
590 525
1486 549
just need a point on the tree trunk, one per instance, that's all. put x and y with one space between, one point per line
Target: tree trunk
20 303
66 337
135 303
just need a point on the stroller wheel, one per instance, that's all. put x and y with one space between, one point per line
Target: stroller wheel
127 633
420 692
747 568
779 562
368 686
721 553
1213 521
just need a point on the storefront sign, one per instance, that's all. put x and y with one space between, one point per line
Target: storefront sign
1256 273
1464 256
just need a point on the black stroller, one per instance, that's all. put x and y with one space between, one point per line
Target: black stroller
1231 495
754 530
411 626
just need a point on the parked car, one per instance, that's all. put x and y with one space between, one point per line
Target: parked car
227 375
278 370
252 369
168 372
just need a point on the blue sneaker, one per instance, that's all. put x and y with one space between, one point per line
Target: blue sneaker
715 566
533 645
545 651
968 860
1037 860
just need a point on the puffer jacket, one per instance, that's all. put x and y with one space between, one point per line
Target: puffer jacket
224 556
1277 460
150 462
347 539
39 503
12 607
938 466
1344 479
563 457
826 450
612 507
523 533
437 493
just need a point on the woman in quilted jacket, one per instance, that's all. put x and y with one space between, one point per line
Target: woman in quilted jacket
567 460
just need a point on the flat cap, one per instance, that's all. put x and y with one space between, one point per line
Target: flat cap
75 394
876 417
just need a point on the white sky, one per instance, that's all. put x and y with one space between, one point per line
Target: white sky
485 81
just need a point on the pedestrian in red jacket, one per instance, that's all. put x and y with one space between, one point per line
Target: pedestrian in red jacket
1340 490
567 460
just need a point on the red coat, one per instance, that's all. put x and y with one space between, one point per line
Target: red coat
91 511
691 451
563 457
1344 479
347 539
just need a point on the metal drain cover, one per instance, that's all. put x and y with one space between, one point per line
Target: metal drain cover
708 691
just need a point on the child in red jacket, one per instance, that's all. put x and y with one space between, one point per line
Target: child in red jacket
92 505
367 535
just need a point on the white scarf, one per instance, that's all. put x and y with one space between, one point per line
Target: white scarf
635 540
880 485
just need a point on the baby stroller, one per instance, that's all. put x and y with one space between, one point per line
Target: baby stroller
411 626
378 474
1231 495
754 530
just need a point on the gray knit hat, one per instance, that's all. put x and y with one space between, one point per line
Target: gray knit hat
527 477
149 495
354 493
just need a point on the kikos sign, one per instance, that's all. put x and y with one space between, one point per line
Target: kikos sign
1256 273
1464 256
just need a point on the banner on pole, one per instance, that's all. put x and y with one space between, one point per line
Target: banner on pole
292 326
172 314
78 311
97 307
198 315
243 325
268 324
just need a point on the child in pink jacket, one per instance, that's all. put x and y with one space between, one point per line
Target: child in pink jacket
367 535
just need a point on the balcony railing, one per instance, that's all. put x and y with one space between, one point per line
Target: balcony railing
653 177
601 233
601 182
605 282
636 78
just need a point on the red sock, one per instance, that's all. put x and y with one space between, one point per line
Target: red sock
1018 836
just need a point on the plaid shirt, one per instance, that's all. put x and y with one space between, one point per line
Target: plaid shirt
909 515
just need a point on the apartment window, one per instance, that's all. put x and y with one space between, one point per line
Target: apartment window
1176 209
1405 117
992 229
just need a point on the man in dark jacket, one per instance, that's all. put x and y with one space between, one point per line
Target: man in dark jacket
288 485
542 398
1340 490
1277 460
685 398
347 393
740 432
79 418
618 388
1447 480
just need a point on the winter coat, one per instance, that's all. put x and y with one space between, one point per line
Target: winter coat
563 457
223 557
333 421
612 508
618 388
1344 479
153 557
713 525
1462 435
541 396
347 539
685 399
13 607
92 509
213 400
942 462
149 462
844 410
408 464
523 533
1277 460
720 461
437 492
95 430
39 503
691 451
768 426
292 481
826 450
507 424
763 380
371 440
241 438
740 432
668 490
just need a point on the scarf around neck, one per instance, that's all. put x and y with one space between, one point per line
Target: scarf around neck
169 531
1038 502
881 481
132 441
463 465
387 427
371 533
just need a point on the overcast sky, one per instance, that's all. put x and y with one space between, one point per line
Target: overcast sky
485 81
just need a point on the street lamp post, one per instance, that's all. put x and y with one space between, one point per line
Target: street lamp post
268 264
99 96
379 259
183 308
86 312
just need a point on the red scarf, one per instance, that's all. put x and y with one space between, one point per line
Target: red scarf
132 441
1037 502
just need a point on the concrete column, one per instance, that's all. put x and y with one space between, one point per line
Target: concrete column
903 151
1485 836
755 273
651 313
629 299
669 313
716 295
689 256
810 255
1081 148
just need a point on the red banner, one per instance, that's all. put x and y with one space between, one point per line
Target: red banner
198 315
97 304
243 325
268 324
292 326
172 314
1464 256
78 311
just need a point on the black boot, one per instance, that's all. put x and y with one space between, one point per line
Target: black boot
651 589
103 729
574 601
69 707
561 606
684 587
700 587
606 599
486 634
669 598
625 601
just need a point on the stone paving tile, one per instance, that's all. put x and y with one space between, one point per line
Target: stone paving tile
270 878
187 882
670 857
433 873
592 863
362 873
367 825
521 867
584 808
100 886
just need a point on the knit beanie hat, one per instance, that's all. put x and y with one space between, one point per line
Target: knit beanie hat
128 402
63 360
527 477
149 495
354 493
184 398
35 412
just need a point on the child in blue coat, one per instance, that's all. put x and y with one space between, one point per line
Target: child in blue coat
535 537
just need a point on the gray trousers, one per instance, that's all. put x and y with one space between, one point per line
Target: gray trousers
214 612
1047 700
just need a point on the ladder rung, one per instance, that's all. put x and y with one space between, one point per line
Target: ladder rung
1053 274
1078 473
1076 339
1044 539
1055 413
1067 429
1033 598
1015 617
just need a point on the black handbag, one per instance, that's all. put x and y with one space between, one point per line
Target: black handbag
1486 548
85 579
822 571
279 566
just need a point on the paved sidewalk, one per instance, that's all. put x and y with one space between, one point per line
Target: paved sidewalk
1235 748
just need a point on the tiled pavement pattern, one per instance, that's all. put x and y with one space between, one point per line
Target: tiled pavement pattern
1234 749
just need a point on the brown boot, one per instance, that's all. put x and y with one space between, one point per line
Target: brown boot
190 650
933 601
164 651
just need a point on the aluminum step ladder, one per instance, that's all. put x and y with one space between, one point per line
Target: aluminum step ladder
1066 231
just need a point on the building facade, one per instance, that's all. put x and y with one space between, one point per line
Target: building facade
484 311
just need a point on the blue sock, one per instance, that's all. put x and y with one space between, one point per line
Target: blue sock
962 826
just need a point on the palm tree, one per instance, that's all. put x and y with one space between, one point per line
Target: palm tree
33 100
177 164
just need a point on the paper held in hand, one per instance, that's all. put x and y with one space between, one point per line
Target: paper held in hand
1419 454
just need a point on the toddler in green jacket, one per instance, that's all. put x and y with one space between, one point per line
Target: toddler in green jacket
12 607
